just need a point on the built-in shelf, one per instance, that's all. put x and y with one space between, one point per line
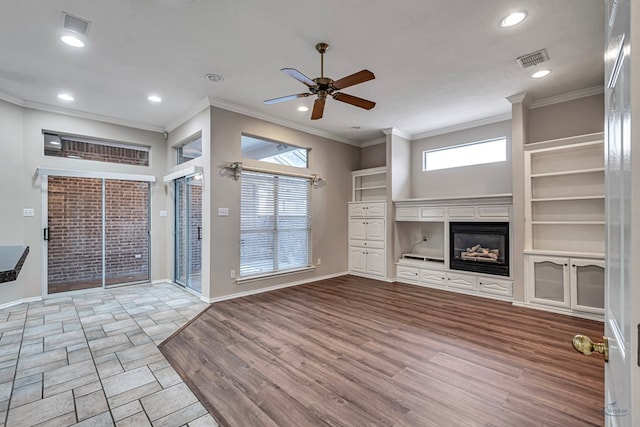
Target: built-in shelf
369 185
567 222
568 198
565 225
576 254
420 257
569 172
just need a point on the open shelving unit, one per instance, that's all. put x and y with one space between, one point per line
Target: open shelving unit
369 185
565 224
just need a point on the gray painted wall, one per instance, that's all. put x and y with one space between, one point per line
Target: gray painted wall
492 178
21 162
576 117
333 160
373 156
12 224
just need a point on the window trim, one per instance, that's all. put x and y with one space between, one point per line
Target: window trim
454 147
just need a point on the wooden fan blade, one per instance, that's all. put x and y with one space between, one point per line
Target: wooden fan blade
299 76
354 79
354 100
318 109
286 98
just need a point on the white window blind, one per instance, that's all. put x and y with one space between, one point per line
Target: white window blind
275 223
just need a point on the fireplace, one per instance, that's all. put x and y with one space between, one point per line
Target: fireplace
481 247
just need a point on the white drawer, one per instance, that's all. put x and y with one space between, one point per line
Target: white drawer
367 244
407 214
427 213
461 281
493 211
433 277
408 273
462 212
495 286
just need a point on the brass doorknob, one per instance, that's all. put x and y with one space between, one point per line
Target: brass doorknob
584 345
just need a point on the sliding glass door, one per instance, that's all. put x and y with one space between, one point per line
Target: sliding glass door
188 232
97 233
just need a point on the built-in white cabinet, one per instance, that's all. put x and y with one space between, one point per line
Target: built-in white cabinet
367 239
565 283
565 224
564 199
473 284
369 184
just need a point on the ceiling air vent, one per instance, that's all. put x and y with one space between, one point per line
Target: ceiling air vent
75 24
531 59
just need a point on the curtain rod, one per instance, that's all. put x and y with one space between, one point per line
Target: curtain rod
238 167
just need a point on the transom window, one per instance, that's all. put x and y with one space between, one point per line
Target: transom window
269 151
275 223
189 150
84 148
475 153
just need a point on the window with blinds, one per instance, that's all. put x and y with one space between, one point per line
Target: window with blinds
275 223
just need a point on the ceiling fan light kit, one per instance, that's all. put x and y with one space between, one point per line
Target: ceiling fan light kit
324 86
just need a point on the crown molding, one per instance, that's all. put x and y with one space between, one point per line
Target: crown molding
11 99
373 142
187 115
91 116
276 120
463 126
518 98
569 96
398 132
76 113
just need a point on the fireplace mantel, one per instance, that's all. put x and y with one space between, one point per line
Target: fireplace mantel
489 199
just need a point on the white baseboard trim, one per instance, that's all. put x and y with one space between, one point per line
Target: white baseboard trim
589 316
20 301
270 288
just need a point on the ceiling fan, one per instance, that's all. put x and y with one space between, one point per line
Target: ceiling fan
323 86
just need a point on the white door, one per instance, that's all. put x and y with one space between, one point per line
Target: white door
622 309
357 259
357 229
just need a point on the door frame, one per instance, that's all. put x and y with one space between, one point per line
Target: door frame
44 174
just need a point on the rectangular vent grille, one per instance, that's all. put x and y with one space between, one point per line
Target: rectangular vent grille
75 24
532 59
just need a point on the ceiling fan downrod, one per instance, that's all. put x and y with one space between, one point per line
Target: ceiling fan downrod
322 48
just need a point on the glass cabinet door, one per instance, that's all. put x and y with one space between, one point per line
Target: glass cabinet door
587 285
549 280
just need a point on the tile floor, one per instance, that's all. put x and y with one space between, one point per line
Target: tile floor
92 359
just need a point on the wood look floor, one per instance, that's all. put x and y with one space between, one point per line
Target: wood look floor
353 352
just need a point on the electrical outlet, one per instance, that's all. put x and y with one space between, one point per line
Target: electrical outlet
28 212
232 274
319 261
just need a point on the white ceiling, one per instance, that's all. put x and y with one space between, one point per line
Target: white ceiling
438 64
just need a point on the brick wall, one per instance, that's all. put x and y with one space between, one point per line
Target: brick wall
127 230
101 152
75 230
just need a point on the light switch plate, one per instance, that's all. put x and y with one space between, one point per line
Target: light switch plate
223 211
28 212
163 213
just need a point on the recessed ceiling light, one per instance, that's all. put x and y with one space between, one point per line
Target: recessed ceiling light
513 19
216 78
65 97
154 98
303 108
540 74
72 41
